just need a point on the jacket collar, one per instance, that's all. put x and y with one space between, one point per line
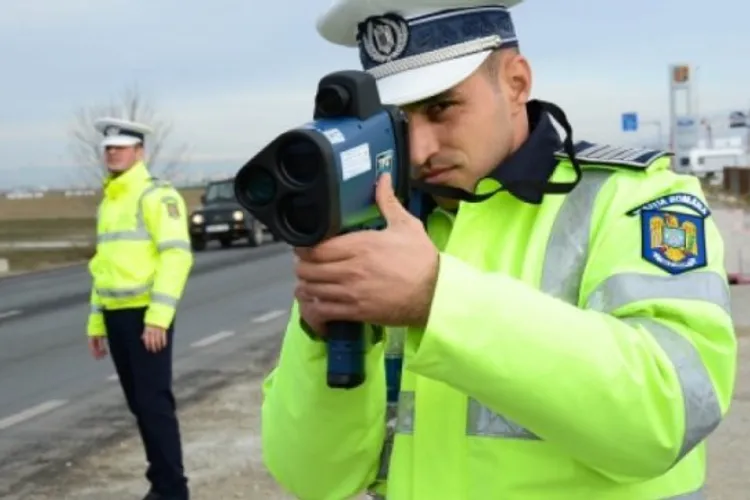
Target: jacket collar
117 185
526 171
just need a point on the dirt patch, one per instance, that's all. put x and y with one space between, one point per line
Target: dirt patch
222 455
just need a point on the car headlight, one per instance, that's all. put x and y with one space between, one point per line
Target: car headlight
238 215
197 219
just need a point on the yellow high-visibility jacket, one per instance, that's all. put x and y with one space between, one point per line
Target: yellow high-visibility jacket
143 256
578 349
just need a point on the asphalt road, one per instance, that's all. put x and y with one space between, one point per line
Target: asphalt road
26 294
50 386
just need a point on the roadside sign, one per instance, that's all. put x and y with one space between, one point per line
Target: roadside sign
629 122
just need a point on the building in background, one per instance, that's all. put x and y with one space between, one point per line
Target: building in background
702 145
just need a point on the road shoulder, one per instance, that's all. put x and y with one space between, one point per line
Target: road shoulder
222 453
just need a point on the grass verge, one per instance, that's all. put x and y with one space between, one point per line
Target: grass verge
54 205
47 229
33 260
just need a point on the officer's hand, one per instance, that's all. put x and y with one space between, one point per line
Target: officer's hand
98 347
154 338
382 277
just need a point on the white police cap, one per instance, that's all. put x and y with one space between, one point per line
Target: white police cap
119 132
419 48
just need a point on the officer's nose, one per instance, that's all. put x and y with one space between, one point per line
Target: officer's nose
423 139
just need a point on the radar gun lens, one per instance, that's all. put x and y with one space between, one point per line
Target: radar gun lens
259 187
301 214
301 161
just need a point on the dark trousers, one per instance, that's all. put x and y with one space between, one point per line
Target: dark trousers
146 380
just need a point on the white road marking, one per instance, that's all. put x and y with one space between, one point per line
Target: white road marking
212 339
263 318
9 314
113 377
32 412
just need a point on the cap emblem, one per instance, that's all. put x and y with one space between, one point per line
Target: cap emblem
384 38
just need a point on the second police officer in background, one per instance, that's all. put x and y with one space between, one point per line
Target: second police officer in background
568 329
139 272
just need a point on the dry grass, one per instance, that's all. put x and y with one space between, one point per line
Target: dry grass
54 218
34 260
47 229
56 206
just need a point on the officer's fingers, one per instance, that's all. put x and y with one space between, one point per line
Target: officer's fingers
330 292
315 322
95 347
332 250
329 272
158 339
337 311
389 206
148 340
300 294
155 341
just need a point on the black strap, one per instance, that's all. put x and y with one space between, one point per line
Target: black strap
546 187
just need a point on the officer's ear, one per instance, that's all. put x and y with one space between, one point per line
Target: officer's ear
516 77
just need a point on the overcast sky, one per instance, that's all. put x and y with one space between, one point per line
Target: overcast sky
232 74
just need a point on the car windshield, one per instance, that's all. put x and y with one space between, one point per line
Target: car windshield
223 191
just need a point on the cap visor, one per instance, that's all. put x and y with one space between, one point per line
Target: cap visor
421 83
120 140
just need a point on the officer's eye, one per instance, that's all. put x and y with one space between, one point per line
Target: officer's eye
436 110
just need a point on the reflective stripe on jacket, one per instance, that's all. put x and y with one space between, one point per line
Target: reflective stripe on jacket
143 255
563 367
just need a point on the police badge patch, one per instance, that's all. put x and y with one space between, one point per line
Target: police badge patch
173 209
673 241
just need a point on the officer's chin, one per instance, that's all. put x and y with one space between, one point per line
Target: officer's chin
116 168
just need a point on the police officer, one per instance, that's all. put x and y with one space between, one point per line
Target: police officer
565 305
139 272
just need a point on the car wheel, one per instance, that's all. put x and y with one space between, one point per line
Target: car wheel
198 244
256 235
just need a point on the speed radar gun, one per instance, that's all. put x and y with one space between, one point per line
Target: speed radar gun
318 181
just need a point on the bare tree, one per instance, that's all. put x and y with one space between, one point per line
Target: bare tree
131 105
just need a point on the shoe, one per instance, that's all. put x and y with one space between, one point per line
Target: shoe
152 495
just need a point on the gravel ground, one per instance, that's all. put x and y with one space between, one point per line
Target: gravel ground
222 455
